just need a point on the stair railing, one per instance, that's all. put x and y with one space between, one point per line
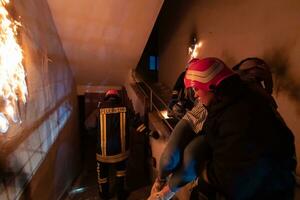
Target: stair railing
153 98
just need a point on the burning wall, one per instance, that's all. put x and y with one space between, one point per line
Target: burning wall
41 90
13 87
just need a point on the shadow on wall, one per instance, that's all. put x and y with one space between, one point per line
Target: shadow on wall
8 178
171 15
278 60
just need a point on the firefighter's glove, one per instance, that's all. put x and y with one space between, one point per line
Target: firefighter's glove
172 102
179 110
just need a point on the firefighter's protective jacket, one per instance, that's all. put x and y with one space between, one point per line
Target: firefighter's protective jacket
113 120
113 131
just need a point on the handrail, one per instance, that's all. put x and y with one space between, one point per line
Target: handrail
138 79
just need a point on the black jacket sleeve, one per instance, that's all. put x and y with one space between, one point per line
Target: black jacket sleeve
179 85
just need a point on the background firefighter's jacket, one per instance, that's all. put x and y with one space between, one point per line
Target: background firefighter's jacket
113 120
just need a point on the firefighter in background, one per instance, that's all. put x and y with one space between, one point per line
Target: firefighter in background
112 120
181 100
256 73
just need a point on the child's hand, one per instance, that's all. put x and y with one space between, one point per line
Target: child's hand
157 186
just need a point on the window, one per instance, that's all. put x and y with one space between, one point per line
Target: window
153 63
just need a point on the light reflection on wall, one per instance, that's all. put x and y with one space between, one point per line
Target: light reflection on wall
13 88
164 113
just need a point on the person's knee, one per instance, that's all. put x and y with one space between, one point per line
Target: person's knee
182 133
191 164
189 172
196 153
170 159
189 155
181 178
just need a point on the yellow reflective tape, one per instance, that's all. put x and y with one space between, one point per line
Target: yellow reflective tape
143 129
140 127
112 159
102 180
104 135
121 173
175 92
123 131
101 133
112 110
98 168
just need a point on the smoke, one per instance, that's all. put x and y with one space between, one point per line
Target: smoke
228 57
278 60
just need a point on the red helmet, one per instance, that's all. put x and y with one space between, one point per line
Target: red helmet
204 73
112 92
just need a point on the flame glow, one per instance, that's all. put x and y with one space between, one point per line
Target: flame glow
164 113
13 88
194 50
9 110
3 123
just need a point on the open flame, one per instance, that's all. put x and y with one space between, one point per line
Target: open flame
194 50
164 113
13 88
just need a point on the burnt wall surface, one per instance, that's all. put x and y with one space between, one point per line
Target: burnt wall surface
40 157
233 30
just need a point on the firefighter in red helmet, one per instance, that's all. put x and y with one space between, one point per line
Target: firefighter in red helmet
251 150
245 151
180 156
112 92
111 118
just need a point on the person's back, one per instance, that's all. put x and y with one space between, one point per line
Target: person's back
253 151
112 115
256 73
112 122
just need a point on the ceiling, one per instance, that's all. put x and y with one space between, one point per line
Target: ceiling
104 39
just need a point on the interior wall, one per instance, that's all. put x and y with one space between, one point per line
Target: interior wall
104 40
233 30
40 157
